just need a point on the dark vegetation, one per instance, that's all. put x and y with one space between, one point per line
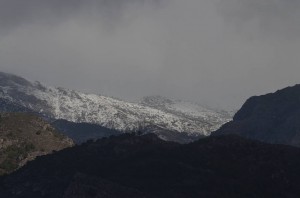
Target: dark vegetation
13 154
146 166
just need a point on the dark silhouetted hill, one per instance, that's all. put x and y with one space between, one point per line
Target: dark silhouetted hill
146 166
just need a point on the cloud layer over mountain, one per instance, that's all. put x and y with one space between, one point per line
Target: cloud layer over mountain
212 51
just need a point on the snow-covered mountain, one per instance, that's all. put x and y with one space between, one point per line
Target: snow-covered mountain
214 119
75 106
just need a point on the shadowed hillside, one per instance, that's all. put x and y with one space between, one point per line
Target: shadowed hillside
146 166
273 118
81 132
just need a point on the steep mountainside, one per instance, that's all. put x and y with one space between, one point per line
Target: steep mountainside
81 132
8 106
74 106
273 118
23 137
145 166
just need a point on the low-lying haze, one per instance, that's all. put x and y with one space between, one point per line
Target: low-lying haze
216 52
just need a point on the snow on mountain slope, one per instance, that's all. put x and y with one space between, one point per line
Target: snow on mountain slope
189 110
60 103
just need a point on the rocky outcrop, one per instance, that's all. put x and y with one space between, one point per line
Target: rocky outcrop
23 137
273 118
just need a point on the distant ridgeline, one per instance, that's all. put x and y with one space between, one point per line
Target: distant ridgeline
172 120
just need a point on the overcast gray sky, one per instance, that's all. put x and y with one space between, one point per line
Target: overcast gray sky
215 52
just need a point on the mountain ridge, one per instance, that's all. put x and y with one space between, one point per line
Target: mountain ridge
273 118
74 106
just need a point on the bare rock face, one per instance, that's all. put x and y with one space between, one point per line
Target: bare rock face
23 137
272 118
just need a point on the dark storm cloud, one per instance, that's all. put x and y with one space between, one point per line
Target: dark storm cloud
274 17
217 52
14 13
17 12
